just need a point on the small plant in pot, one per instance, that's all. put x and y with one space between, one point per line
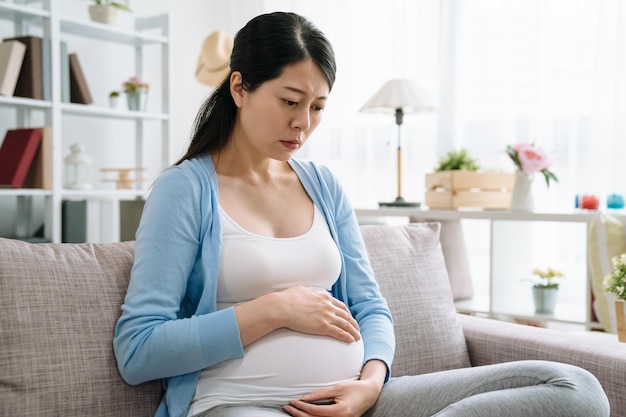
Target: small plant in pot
545 289
114 99
458 160
104 11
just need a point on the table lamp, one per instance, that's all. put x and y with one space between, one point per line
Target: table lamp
399 97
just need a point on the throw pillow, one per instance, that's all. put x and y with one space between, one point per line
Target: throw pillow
410 269
59 304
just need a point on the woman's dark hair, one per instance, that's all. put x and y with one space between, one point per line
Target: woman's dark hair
261 50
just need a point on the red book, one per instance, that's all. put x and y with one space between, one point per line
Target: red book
16 155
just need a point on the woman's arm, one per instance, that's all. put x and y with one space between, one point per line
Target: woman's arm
167 327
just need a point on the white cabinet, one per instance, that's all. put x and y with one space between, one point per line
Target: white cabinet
515 244
134 139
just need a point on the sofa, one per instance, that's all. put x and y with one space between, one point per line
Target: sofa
60 303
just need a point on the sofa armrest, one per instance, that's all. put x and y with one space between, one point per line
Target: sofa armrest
491 341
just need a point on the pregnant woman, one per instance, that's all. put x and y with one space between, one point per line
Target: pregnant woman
251 293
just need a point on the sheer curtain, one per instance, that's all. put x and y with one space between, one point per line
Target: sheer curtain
543 71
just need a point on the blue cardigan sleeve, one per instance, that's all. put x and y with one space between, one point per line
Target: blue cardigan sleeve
161 332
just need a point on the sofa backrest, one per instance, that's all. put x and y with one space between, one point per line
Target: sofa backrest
60 303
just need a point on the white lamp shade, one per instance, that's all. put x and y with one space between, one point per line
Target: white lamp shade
400 94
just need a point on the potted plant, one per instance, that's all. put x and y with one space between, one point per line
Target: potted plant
615 283
458 160
114 99
458 182
545 289
104 11
136 93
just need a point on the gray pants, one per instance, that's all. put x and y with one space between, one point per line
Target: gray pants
514 389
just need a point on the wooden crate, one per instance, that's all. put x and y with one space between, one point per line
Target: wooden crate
455 189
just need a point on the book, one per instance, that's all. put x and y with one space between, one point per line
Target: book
40 172
46 69
74 221
30 81
16 155
11 59
79 90
65 73
130 216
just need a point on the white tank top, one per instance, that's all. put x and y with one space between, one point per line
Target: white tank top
284 364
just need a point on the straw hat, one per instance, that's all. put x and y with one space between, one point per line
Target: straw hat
213 62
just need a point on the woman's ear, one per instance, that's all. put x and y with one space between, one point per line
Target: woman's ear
236 88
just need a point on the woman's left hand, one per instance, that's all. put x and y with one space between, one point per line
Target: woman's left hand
352 399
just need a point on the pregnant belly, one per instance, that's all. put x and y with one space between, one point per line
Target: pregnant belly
287 361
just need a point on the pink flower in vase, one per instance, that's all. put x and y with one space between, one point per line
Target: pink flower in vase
530 159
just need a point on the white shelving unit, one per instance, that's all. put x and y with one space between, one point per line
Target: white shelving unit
43 18
511 258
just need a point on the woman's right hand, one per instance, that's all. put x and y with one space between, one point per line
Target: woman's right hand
302 309
315 311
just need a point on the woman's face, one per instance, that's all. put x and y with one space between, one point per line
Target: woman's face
277 118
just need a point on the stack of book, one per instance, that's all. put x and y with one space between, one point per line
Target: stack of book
25 71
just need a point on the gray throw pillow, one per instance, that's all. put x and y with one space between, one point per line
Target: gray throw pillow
59 304
409 266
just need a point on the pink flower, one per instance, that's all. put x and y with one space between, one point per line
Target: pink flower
532 159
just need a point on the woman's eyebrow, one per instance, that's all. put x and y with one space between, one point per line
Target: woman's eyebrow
302 92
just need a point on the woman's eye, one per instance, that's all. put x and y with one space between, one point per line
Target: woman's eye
290 103
318 108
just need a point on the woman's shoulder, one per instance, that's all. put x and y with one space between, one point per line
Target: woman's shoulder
311 168
195 170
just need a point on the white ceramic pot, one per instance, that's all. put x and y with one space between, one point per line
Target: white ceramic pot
545 299
114 102
102 13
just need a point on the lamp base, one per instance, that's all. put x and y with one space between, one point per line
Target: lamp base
399 202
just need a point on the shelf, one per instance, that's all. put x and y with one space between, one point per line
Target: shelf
148 36
24 102
12 192
95 111
102 194
101 31
13 11
582 216
510 251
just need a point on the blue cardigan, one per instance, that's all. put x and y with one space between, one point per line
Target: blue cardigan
169 328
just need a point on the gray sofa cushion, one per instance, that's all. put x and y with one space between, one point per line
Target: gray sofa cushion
410 269
59 307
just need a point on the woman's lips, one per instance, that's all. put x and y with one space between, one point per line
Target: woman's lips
292 145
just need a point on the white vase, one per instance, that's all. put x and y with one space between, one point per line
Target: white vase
114 102
545 299
102 13
522 196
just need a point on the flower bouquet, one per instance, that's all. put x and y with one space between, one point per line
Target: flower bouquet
530 159
615 282
546 278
